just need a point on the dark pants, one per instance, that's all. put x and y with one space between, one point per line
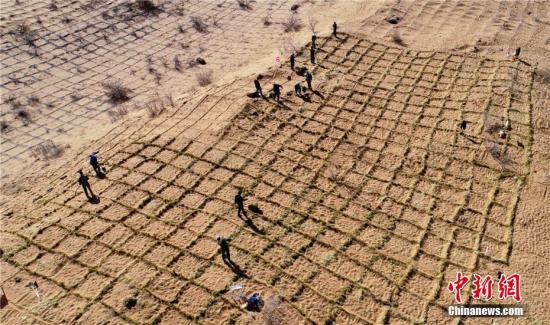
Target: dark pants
240 210
88 191
97 169
277 96
309 84
312 55
225 254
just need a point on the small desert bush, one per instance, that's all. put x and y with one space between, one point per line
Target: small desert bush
116 91
4 126
177 64
396 38
244 4
312 24
24 33
47 150
293 24
204 78
147 7
199 25
33 100
267 20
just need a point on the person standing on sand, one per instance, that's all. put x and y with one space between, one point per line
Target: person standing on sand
224 248
309 79
298 89
95 164
334 28
277 92
258 86
292 61
239 202
83 181
313 39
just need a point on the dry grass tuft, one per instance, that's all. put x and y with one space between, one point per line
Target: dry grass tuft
204 77
177 64
267 20
147 7
199 25
116 91
117 113
158 105
24 33
47 150
293 24
271 312
4 126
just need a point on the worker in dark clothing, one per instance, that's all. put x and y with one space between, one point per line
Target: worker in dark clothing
83 181
239 202
312 54
95 164
277 92
292 61
334 28
258 87
313 40
298 89
309 79
224 248
463 126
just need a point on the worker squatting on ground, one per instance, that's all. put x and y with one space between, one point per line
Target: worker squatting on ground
83 181
224 248
334 28
292 61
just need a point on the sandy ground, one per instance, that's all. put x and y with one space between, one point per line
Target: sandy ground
369 199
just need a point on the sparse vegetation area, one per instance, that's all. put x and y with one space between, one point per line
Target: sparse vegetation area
116 113
158 105
47 150
244 4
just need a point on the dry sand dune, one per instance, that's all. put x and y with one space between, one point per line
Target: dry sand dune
370 199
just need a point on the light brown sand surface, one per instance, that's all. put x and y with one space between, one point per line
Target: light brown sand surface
370 199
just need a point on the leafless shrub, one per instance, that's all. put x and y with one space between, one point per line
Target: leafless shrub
13 102
116 113
23 115
396 38
177 64
92 5
4 126
47 150
53 6
116 91
181 29
244 4
157 105
216 21
293 24
76 96
204 77
312 24
147 6
33 100
199 25
180 8
334 174
271 312
66 20
24 33
267 20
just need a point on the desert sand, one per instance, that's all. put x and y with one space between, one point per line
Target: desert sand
363 199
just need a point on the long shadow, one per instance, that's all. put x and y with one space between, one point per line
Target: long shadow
316 92
524 62
235 268
471 139
252 226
